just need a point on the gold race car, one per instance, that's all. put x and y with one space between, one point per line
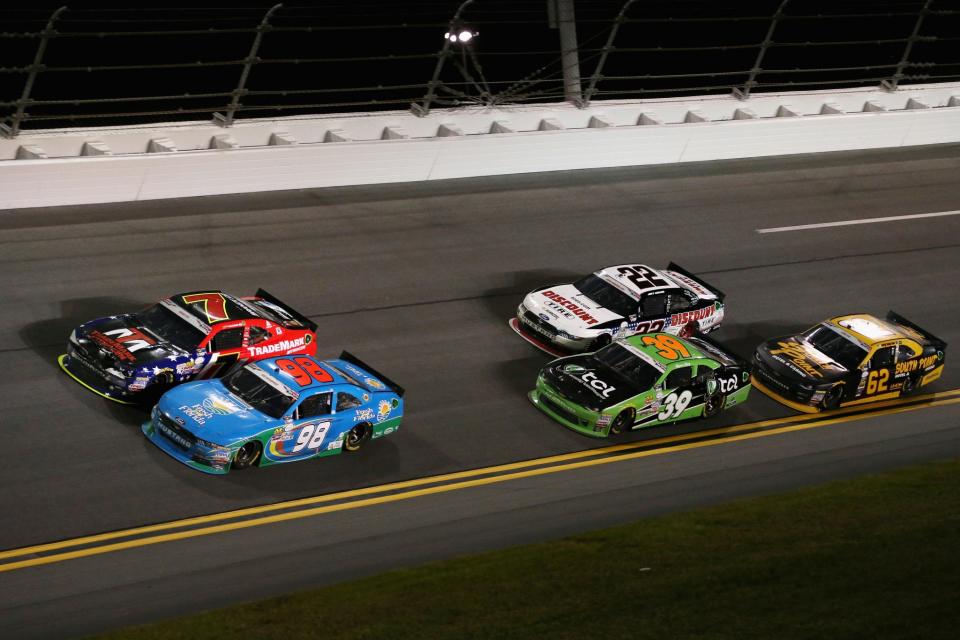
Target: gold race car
848 360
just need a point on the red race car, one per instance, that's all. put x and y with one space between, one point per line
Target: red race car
183 337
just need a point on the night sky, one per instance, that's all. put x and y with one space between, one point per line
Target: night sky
365 55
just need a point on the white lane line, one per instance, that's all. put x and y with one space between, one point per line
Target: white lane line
844 223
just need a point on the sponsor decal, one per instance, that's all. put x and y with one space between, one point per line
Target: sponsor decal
595 384
691 284
543 317
280 435
372 382
284 346
684 317
113 346
191 366
173 435
389 430
604 420
797 355
220 406
363 414
915 364
139 383
577 310
383 410
197 413
132 339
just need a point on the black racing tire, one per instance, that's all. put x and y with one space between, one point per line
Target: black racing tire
159 386
909 385
247 455
600 342
357 437
831 400
622 423
714 404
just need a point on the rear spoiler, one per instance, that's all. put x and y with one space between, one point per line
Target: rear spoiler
893 316
719 346
673 266
354 360
296 315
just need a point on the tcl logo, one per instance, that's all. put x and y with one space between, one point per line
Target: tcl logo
597 384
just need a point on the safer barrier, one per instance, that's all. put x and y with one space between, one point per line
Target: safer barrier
119 165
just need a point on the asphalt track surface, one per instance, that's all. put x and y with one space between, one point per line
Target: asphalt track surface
419 280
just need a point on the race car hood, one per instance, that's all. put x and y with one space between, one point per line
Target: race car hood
585 381
797 361
566 308
124 340
209 411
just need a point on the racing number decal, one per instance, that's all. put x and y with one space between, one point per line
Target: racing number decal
674 404
218 365
668 347
649 327
642 277
877 381
311 435
304 370
214 305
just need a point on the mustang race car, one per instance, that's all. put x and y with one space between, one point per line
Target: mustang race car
848 360
186 336
280 409
616 302
641 381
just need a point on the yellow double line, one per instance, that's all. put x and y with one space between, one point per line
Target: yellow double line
181 529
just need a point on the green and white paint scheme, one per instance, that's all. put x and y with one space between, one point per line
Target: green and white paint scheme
641 381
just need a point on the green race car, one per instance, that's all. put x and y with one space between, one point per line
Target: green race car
641 381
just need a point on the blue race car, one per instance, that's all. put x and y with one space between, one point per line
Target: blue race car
275 410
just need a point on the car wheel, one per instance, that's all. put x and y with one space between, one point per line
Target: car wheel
600 342
832 398
714 404
357 437
622 423
909 386
247 455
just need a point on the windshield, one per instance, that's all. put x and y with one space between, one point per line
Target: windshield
257 393
606 295
627 364
171 328
837 346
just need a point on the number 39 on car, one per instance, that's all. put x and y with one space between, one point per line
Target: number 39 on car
641 381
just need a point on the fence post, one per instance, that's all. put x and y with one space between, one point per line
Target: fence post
892 83
562 17
743 94
592 87
14 129
263 27
424 108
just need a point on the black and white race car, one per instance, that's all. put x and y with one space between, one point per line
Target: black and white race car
615 302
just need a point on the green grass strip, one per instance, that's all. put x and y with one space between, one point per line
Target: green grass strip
874 557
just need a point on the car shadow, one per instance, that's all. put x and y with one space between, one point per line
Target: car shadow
743 338
502 302
48 338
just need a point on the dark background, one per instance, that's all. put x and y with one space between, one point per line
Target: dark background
102 65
